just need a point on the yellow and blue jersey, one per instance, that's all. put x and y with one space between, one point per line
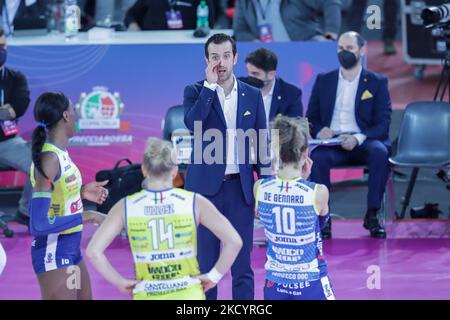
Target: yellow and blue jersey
59 250
66 195
163 238
291 225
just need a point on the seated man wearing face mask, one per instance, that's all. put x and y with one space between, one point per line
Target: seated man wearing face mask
354 104
279 96
14 101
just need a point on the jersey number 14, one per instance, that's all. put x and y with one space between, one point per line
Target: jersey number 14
160 233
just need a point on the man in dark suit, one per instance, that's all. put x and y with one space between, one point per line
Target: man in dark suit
155 15
221 108
15 13
279 96
353 104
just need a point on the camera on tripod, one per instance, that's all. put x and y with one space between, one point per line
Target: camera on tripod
438 18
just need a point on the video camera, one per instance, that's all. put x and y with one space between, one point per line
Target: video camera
438 18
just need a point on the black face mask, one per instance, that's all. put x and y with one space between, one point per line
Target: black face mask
255 82
347 59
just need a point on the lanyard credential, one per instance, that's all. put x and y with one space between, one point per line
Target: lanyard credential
8 21
2 93
10 127
262 10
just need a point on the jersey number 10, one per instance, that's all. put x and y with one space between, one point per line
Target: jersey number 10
284 220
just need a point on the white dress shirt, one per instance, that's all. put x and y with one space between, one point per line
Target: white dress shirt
267 99
11 6
229 106
344 109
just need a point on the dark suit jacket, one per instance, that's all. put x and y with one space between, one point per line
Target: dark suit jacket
373 115
286 99
151 14
37 10
202 104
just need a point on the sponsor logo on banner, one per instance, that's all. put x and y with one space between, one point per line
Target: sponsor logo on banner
99 109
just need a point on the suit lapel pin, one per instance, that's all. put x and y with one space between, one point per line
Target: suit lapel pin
279 97
243 94
365 79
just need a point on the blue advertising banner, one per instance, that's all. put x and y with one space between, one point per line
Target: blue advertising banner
122 92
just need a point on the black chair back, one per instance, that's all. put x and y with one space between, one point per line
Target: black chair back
174 120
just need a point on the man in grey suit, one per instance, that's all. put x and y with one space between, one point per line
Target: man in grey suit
286 20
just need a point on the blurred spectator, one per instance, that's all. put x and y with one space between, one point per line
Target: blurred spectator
390 21
15 152
221 21
87 8
15 12
155 15
276 20
112 10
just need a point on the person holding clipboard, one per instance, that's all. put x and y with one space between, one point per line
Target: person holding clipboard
352 104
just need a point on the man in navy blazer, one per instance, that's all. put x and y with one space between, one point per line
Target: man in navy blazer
353 104
219 110
279 96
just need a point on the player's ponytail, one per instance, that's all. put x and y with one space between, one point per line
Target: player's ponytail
48 111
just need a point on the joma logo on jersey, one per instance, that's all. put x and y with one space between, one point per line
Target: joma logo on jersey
139 199
285 240
161 256
178 196
299 185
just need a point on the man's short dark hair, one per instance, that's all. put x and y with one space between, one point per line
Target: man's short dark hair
264 59
220 38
